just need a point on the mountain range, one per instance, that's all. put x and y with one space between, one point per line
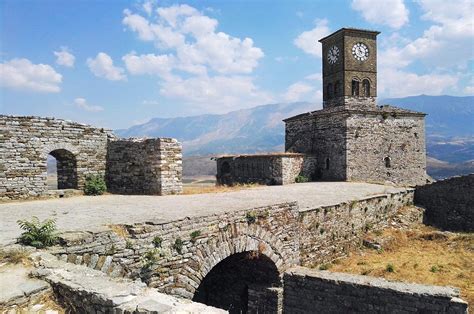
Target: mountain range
449 129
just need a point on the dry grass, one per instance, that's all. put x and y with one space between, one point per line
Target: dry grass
120 230
421 255
14 256
202 189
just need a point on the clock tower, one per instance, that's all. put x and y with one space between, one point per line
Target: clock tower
350 68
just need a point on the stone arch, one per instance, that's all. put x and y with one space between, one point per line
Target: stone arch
225 168
366 88
235 239
66 164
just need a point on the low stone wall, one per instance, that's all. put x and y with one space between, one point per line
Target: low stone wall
330 232
281 232
269 169
181 253
144 166
449 203
311 291
83 290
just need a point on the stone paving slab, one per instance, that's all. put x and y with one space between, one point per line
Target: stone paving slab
93 213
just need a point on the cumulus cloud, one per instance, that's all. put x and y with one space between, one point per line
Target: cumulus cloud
392 13
22 74
297 91
195 62
195 41
82 103
103 66
218 93
308 40
64 57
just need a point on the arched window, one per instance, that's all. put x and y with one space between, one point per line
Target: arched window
326 164
355 88
337 89
388 162
329 91
366 88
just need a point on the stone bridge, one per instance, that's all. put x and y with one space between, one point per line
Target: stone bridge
228 250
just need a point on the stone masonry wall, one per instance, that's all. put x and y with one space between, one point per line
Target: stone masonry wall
311 291
330 232
270 169
25 143
449 203
373 136
281 232
144 166
175 256
323 136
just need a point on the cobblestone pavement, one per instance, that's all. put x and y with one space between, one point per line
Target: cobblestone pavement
92 213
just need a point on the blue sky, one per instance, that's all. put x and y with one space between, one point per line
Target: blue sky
119 63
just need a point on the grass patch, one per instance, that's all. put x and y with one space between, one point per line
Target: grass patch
14 256
421 255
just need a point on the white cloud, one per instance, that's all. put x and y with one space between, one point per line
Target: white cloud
82 103
21 74
194 40
399 83
103 66
64 57
149 64
308 41
393 13
196 63
297 91
217 94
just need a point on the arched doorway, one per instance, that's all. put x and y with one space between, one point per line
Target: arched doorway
64 162
228 284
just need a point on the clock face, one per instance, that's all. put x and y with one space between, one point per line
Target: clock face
360 51
333 54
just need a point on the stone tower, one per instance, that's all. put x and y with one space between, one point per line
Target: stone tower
352 138
350 68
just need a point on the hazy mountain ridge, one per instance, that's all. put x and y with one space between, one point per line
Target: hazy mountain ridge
449 129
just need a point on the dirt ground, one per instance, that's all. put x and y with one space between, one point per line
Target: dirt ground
419 255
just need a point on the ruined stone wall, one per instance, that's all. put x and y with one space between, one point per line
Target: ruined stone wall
175 256
374 137
322 135
330 232
25 143
449 203
271 169
144 166
311 291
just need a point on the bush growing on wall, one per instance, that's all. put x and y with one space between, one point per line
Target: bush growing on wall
95 185
38 234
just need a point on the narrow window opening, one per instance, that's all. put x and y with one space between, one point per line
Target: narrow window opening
355 88
366 87
388 162
326 165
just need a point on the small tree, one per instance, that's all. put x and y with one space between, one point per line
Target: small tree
95 185
38 234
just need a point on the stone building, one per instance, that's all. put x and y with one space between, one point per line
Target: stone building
131 166
352 138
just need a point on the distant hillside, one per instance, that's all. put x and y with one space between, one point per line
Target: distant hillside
449 129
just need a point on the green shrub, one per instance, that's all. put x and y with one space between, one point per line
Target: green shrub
325 266
194 235
251 217
149 258
95 185
157 241
128 244
390 268
38 234
178 245
301 179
